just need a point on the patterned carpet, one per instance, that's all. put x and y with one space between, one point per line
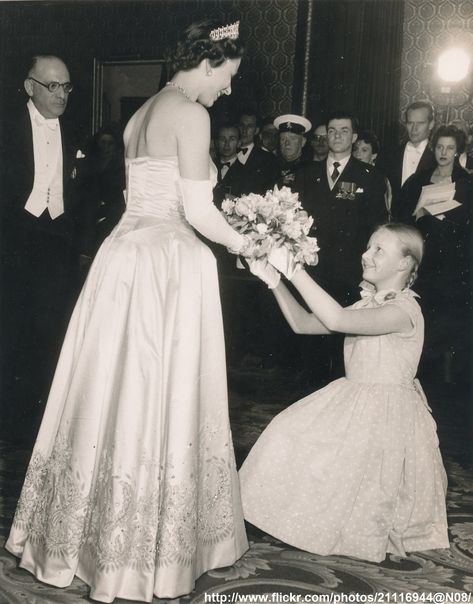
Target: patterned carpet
270 568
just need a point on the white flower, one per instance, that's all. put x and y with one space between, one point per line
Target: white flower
246 206
292 230
266 209
273 220
227 206
262 228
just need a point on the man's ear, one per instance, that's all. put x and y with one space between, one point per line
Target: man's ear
28 87
304 140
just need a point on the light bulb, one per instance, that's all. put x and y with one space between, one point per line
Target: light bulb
453 65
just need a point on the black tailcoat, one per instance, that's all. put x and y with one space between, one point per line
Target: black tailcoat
260 172
390 163
39 263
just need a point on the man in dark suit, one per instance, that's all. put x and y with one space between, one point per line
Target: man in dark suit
39 259
268 137
465 159
346 199
231 173
414 156
318 142
260 167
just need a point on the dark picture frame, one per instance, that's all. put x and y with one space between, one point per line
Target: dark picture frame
123 85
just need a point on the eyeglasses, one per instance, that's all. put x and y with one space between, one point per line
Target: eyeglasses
320 137
54 86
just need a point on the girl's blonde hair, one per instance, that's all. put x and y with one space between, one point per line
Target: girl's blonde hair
412 245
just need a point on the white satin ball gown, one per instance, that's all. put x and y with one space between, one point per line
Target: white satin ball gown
132 484
354 469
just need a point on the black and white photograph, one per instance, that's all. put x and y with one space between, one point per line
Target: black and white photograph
236 301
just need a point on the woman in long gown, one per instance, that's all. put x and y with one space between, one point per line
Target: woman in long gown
132 483
355 468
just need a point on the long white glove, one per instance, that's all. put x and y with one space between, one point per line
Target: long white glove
203 215
267 273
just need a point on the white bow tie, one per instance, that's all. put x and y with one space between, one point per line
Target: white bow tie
40 120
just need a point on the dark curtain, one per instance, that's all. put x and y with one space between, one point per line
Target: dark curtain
354 61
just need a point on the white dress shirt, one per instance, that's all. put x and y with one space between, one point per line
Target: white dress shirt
411 159
47 190
242 157
342 164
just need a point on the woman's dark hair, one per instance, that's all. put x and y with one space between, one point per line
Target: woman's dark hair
368 136
453 132
195 45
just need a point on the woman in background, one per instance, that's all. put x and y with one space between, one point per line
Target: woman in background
444 280
103 184
366 148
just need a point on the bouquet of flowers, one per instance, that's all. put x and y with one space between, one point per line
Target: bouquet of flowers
273 221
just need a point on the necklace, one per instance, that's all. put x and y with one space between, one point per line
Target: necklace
180 88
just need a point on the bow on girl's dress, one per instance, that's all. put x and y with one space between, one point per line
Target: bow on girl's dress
368 293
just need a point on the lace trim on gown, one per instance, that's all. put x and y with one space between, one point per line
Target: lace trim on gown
118 525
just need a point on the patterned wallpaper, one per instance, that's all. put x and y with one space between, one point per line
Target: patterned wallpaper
79 31
269 28
266 77
431 26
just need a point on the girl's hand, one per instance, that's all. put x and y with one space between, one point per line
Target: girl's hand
262 269
282 259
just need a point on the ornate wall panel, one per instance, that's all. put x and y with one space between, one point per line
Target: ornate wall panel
431 26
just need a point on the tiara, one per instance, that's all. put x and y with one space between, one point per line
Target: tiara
227 31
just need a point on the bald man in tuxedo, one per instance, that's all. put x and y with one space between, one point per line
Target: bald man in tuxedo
39 256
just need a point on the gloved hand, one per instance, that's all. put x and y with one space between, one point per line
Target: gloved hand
282 259
246 249
262 269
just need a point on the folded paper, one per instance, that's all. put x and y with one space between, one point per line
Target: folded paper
436 199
